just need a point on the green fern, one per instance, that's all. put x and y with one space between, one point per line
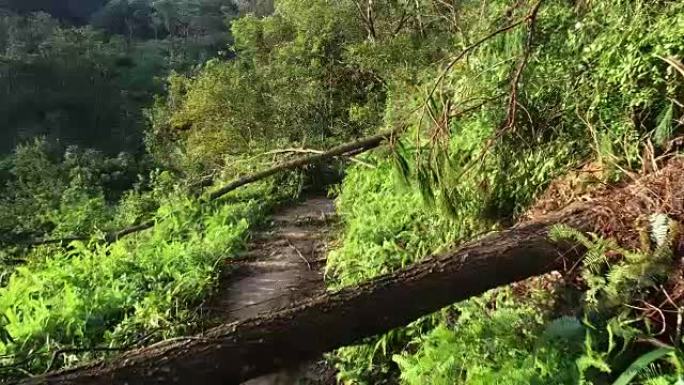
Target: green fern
566 327
611 285
595 257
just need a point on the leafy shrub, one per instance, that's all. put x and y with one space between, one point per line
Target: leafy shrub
50 190
497 339
94 295
595 88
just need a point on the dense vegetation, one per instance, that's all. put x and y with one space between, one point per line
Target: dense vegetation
499 106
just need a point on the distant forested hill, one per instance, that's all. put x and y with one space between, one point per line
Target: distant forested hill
77 11
82 72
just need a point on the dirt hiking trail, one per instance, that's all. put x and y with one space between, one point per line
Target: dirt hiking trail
283 263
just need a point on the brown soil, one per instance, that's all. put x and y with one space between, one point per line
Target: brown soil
283 264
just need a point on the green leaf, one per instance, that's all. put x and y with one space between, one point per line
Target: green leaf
642 363
663 130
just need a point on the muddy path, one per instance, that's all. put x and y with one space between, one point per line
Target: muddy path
283 263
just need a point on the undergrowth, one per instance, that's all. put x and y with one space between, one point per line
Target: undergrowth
69 305
556 333
596 90
496 340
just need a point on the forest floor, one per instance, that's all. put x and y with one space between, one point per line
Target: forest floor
283 264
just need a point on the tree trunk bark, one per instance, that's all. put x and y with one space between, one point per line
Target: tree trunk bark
358 146
232 353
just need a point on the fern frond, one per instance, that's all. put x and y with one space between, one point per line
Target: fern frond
565 327
562 232
660 227
595 259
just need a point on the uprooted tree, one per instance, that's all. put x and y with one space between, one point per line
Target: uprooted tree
232 353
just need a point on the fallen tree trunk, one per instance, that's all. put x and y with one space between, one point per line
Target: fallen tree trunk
230 354
109 237
355 147
361 145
